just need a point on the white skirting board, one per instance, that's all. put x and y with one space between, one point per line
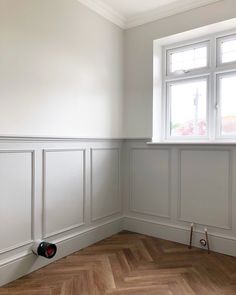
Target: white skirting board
221 244
21 266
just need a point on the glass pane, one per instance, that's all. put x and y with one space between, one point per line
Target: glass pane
188 108
188 59
228 51
228 105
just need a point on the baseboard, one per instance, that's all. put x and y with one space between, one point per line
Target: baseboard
28 263
21 266
222 244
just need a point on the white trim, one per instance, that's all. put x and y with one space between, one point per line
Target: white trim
46 235
219 76
142 18
219 42
191 46
52 138
32 211
230 188
168 107
132 182
105 11
165 11
116 212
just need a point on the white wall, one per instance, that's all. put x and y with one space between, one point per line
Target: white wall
61 70
139 60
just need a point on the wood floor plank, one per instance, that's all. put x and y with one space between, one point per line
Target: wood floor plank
129 263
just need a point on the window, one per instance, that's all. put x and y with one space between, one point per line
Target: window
188 108
227 49
227 100
199 87
187 58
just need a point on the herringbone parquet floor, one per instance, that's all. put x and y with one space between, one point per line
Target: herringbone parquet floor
129 263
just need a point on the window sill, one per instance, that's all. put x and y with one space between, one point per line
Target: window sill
196 143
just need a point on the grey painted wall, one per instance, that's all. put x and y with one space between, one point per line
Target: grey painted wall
61 70
139 60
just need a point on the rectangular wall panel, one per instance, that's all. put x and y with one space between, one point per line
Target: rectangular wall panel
150 182
105 183
16 197
64 178
205 187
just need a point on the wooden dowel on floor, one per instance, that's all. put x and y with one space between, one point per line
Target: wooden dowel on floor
207 240
191 237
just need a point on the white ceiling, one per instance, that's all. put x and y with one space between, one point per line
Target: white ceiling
131 13
130 8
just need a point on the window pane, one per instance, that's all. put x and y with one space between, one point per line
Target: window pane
187 59
188 108
228 51
228 105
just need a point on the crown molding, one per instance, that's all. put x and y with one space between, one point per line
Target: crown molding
165 11
125 23
106 11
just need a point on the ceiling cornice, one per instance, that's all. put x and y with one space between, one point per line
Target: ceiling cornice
166 11
106 11
143 18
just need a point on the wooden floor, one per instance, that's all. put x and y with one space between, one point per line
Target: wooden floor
130 263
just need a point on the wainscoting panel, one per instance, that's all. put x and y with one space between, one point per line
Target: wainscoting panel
16 199
75 192
64 190
169 186
205 187
105 183
150 182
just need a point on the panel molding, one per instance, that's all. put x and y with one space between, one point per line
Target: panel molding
17 246
93 219
132 184
75 226
230 187
32 153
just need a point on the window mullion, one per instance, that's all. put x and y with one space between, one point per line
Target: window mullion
212 92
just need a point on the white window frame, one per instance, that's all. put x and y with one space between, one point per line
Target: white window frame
168 107
218 103
182 48
211 72
219 42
